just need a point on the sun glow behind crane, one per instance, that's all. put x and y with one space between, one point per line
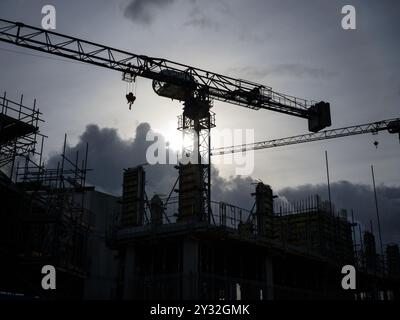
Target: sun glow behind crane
173 137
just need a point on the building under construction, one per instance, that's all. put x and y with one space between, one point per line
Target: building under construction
179 247
168 250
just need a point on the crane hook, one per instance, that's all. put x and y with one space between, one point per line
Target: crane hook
130 97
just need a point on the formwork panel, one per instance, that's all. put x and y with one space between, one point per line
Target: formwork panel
133 197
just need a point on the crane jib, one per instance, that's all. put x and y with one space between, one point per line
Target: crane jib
392 126
182 77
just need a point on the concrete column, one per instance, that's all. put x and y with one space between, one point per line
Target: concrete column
129 274
269 295
190 265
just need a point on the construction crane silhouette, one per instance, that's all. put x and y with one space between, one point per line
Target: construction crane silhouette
197 88
391 126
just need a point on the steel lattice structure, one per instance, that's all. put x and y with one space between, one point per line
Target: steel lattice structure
391 125
219 87
19 130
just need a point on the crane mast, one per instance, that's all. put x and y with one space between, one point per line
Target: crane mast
197 88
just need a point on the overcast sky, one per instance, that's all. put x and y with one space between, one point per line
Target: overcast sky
296 47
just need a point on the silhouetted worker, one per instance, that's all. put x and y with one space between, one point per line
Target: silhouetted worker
131 99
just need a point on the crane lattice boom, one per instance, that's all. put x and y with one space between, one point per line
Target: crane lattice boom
391 125
216 86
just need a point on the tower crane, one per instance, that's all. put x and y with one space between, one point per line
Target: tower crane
391 126
195 87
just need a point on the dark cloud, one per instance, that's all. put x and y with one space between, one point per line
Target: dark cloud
143 11
199 19
254 36
109 154
235 190
360 198
203 14
300 71
202 21
288 70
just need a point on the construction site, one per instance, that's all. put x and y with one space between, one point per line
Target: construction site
183 246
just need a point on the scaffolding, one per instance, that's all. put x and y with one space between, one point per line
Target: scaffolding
19 131
57 208
43 219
